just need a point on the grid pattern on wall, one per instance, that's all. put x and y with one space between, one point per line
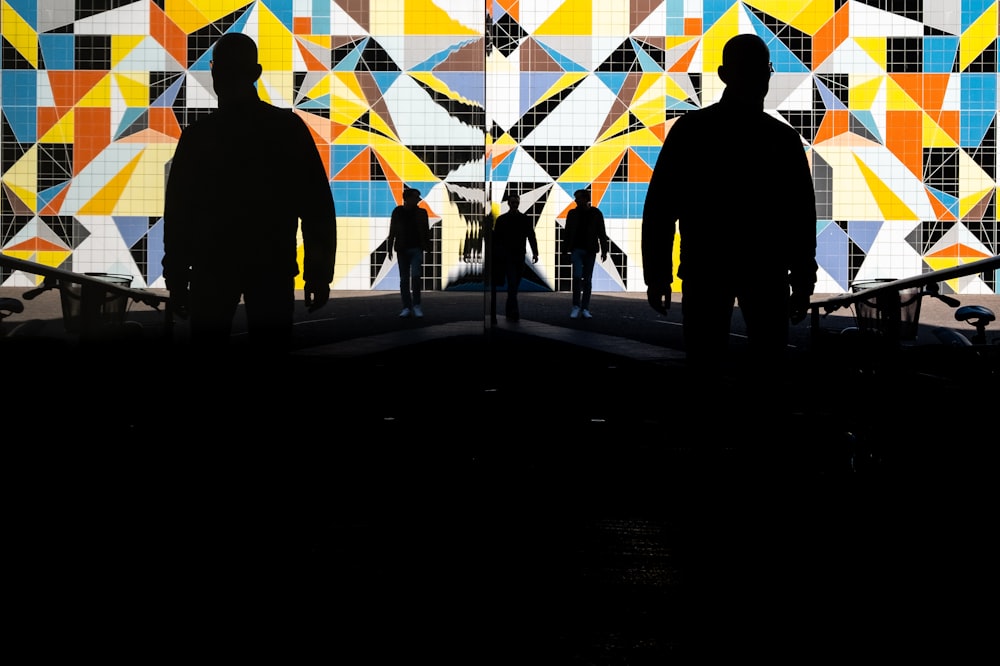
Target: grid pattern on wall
896 104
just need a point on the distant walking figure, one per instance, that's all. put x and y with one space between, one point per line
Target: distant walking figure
511 232
410 237
241 181
737 183
585 236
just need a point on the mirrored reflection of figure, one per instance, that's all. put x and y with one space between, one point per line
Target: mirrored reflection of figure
512 232
409 237
585 236
737 183
242 181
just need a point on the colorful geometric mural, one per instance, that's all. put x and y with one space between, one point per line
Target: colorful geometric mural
896 103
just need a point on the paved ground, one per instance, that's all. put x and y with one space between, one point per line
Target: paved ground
570 496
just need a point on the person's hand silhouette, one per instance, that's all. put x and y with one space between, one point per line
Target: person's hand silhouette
659 297
316 296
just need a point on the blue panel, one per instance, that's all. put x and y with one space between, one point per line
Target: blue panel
154 252
467 84
972 10
948 201
23 122
27 10
57 51
533 86
939 53
623 200
567 64
974 125
832 254
979 92
501 172
613 80
863 233
132 229
712 11
647 63
282 10
647 153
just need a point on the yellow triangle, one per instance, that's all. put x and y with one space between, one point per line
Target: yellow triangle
862 95
192 15
573 17
934 136
565 81
103 203
424 17
618 126
133 91
98 97
978 36
875 48
967 203
807 17
122 45
889 203
61 132
19 33
343 82
897 99
22 177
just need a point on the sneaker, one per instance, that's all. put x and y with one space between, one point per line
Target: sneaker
586 314
575 312
418 311
405 312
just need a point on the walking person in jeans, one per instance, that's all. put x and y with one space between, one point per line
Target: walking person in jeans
410 237
511 232
585 235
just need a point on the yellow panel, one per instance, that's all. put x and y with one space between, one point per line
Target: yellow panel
61 132
973 184
875 48
808 18
134 91
423 17
611 18
377 123
342 82
388 18
978 36
862 94
99 96
274 42
323 41
19 33
401 159
277 87
592 162
889 203
935 137
122 45
650 83
345 112
22 177
619 125
727 27
143 194
194 14
574 17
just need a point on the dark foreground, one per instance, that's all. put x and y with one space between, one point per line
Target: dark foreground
628 513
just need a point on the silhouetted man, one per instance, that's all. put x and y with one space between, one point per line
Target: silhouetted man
737 182
410 237
240 182
585 236
511 232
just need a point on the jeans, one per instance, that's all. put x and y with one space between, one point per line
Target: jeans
411 269
583 272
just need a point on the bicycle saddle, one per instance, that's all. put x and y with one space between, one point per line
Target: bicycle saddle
975 314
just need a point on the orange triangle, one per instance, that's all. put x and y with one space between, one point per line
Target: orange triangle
358 169
960 251
46 118
638 170
834 122
831 35
52 208
312 62
36 244
61 85
912 85
684 62
162 119
104 202
940 211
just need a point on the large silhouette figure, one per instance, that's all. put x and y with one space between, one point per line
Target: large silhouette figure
512 231
737 183
240 182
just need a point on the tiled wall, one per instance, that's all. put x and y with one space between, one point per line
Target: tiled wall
896 102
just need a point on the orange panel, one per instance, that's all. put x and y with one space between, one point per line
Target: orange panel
163 120
834 123
359 168
830 36
638 170
90 135
84 81
904 137
912 84
934 88
166 32
302 25
692 26
46 117
950 122
61 83
684 61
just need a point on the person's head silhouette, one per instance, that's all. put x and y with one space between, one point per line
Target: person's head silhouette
411 197
234 67
746 68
